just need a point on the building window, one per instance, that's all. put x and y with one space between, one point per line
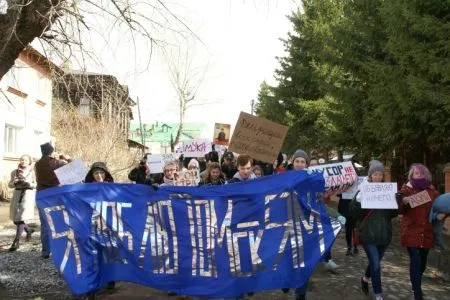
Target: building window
85 107
11 139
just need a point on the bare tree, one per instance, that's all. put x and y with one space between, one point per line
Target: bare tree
186 79
61 25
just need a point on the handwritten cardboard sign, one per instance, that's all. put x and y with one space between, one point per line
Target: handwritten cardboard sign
378 195
260 138
196 148
351 192
418 199
339 177
187 178
221 134
156 162
72 173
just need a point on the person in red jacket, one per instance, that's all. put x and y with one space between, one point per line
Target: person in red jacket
417 233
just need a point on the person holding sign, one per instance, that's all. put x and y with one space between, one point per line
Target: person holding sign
375 232
416 198
46 178
99 173
170 168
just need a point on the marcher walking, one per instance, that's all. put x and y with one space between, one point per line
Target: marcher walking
23 181
417 233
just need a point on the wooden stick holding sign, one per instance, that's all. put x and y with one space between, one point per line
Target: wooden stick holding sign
418 199
260 138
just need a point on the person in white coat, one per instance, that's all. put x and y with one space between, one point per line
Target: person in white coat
23 181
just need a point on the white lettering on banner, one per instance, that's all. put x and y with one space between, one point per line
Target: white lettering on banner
196 148
69 234
159 247
378 195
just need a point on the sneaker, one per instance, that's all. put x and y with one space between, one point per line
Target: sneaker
285 290
355 250
29 233
364 286
331 265
378 297
349 252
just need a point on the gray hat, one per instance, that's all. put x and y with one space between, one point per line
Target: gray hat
300 153
375 166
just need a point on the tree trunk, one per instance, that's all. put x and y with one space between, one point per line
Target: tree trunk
21 24
180 128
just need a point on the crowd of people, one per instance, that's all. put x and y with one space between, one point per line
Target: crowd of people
370 228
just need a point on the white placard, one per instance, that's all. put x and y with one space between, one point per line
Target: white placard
378 195
156 162
339 177
74 172
351 192
196 148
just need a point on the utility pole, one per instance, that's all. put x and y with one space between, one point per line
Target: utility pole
252 105
140 125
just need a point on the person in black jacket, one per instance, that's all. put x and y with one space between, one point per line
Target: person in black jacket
141 174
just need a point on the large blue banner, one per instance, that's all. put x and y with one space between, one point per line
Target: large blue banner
214 241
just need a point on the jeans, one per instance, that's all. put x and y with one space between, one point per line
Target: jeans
417 265
374 255
45 239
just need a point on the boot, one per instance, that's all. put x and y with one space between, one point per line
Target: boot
29 232
15 245
285 290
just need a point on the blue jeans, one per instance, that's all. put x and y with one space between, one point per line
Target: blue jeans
327 256
374 255
45 239
417 265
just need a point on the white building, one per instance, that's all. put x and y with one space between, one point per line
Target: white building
25 109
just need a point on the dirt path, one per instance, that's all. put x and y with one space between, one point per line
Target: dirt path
324 286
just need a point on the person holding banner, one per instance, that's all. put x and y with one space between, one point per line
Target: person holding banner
169 170
244 173
375 232
21 209
417 234
228 167
214 175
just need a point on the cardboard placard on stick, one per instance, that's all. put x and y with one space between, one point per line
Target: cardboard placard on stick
260 138
418 199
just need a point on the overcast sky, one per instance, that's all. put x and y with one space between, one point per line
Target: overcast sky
237 46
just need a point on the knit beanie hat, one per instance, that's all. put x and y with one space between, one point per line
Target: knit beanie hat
300 153
47 149
375 166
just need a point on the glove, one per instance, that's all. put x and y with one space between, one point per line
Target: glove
342 220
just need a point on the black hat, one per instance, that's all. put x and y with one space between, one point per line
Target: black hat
47 149
95 167
228 154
